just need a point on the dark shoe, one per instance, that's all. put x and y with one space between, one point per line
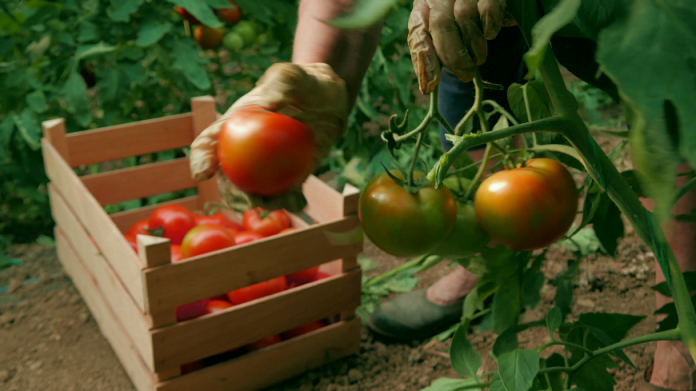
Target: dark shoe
411 316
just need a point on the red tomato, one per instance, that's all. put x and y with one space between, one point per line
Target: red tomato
218 218
219 297
192 310
231 15
133 241
257 291
176 253
190 367
172 222
206 238
264 343
186 16
304 276
265 153
247 237
308 328
264 222
321 276
207 37
139 228
217 306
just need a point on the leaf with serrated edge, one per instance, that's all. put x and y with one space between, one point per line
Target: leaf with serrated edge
465 360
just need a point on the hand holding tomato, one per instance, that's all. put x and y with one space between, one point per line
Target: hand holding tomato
311 94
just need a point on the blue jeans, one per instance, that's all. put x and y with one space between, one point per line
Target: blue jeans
503 66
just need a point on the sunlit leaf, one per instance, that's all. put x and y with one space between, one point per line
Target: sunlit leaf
151 32
98 49
516 370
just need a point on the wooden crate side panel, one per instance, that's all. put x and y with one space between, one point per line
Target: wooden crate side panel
204 114
324 204
124 220
110 241
97 269
226 270
139 182
108 323
199 338
274 364
138 138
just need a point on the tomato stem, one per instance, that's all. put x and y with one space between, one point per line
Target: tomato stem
525 95
478 106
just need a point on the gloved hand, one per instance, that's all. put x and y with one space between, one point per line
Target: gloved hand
311 93
453 34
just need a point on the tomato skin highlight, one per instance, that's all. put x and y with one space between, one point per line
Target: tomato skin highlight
265 153
247 237
206 238
217 306
139 228
175 221
467 238
264 343
265 223
257 291
308 328
528 208
217 218
404 224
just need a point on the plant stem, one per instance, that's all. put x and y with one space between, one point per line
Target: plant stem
478 106
458 130
502 111
414 159
563 343
690 184
528 109
390 273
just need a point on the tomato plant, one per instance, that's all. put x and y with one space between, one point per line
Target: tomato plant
247 237
208 38
308 328
172 222
405 223
264 343
265 153
257 291
264 222
207 238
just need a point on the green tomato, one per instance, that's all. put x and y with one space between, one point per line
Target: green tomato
266 37
457 184
233 42
247 30
467 238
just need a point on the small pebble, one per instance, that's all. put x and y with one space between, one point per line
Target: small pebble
586 303
355 375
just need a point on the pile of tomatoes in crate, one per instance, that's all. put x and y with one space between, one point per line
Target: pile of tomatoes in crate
196 233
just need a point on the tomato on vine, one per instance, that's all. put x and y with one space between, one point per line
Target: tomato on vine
264 222
186 15
404 223
265 153
467 238
206 238
172 222
257 291
231 15
530 207
208 37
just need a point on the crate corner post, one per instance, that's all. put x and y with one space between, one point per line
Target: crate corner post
204 114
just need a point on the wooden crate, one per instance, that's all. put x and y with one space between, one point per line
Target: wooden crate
134 297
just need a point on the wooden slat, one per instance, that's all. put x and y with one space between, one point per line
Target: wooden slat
204 114
109 323
154 251
351 199
138 138
139 182
110 241
225 270
126 219
276 363
93 266
324 204
249 322
54 131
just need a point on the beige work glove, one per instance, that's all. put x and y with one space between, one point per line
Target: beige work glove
453 34
311 93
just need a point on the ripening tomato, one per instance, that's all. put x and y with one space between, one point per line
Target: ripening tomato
303 276
192 310
528 208
217 306
257 291
265 153
247 237
467 238
217 218
133 241
402 223
264 222
208 37
231 15
264 343
172 222
308 328
186 15
176 253
139 228
206 238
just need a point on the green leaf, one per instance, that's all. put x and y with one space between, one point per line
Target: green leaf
367 264
445 384
88 32
616 326
506 305
539 101
554 318
36 101
689 277
365 13
132 53
506 342
75 93
472 303
201 10
108 84
121 10
593 375
584 242
28 127
465 360
516 370
135 72
547 26
608 225
6 261
98 49
564 287
152 31
533 281
46 241
189 61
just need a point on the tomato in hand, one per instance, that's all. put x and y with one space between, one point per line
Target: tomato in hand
247 237
528 208
133 241
231 15
402 223
217 218
308 328
264 222
186 15
217 306
176 253
264 343
257 291
467 238
265 153
303 277
172 222
192 310
206 238
139 228
208 37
